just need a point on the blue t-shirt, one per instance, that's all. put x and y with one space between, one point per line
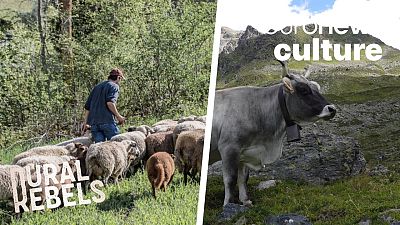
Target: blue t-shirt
102 93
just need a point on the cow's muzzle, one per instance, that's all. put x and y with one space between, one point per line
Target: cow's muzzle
328 112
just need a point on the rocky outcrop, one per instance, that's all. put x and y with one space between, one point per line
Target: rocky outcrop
288 219
229 40
318 158
250 32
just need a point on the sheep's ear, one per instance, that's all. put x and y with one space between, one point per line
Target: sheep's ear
132 128
80 147
172 156
70 146
149 130
78 144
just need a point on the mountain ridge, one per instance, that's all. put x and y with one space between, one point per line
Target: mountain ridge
258 46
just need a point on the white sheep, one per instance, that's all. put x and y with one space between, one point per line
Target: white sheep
110 159
186 126
43 159
87 141
192 118
50 150
164 125
165 122
189 153
6 192
138 137
201 118
142 128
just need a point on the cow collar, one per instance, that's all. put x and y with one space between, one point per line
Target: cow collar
292 129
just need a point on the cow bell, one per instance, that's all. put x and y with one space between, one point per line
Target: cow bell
293 133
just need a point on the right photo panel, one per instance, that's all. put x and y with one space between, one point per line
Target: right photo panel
306 118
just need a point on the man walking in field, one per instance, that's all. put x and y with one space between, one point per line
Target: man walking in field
101 113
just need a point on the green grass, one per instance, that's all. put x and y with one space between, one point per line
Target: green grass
131 202
20 6
342 202
353 89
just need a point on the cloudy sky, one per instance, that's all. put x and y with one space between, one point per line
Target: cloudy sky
380 18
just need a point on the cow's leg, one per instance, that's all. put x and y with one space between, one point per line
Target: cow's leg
230 166
243 177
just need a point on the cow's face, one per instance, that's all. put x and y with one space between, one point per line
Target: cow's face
303 99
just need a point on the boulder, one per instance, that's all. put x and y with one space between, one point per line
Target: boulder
230 210
287 219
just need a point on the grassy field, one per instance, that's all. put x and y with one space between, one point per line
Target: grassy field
131 202
343 202
10 7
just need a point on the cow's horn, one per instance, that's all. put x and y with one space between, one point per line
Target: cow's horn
308 71
285 70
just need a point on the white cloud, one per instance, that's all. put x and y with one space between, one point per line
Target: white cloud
380 18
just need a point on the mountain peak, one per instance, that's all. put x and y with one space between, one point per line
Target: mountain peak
250 32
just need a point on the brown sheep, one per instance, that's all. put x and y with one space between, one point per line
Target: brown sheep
189 153
160 142
160 170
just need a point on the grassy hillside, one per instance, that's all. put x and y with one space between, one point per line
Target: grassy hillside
344 202
367 95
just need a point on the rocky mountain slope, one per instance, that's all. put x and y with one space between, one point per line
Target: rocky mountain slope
253 57
367 94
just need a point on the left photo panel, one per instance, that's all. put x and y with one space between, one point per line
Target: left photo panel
103 110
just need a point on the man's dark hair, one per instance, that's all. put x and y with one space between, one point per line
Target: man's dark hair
115 73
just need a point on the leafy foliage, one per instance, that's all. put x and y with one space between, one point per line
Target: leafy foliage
164 47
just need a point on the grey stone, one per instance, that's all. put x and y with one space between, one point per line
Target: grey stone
266 184
318 158
379 170
230 210
388 219
365 222
287 219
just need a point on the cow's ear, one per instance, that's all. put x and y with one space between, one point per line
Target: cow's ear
288 85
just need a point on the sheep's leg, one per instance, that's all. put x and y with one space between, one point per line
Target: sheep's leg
185 174
105 180
85 185
193 174
170 180
165 186
154 191
107 176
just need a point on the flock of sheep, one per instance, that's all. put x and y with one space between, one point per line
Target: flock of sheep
160 148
